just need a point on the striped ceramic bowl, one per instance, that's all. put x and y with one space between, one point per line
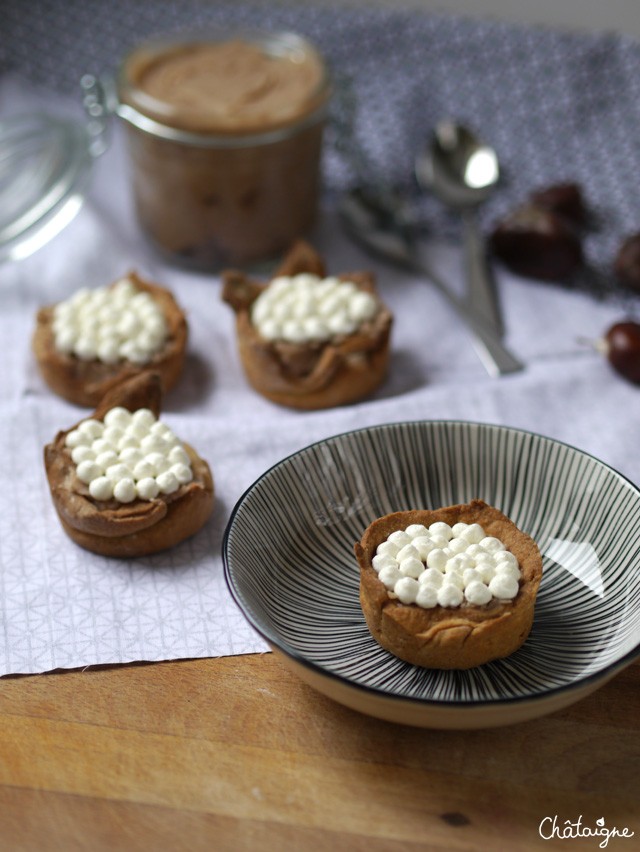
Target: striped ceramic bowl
289 564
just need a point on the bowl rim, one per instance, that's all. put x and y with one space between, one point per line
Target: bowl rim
273 639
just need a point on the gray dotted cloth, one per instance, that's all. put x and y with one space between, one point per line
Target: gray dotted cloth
557 106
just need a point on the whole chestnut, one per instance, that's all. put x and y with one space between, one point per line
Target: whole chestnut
537 243
565 199
621 346
627 262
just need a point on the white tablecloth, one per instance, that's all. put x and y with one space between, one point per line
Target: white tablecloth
61 607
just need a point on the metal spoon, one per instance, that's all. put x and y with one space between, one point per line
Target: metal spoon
462 171
376 219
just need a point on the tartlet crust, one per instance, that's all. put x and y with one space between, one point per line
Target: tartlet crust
131 529
85 383
309 376
448 637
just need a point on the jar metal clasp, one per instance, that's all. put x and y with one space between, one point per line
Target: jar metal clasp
97 100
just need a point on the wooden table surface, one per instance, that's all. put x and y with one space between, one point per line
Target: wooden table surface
236 753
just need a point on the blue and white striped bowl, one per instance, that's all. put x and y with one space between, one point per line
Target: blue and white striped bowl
289 564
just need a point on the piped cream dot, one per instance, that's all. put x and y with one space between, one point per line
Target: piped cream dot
113 434
388 547
411 567
88 470
82 453
182 473
118 471
491 544
383 560
432 577
118 416
124 490
427 596
131 456
406 588
158 462
408 551
76 438
440 528
143 417
143 470
504 587
178 455
424 545
437 559
92 428
449 595
416 530
147 488
400 538
154 444
389 576
101 446
478 593
106 459
101 488
167 482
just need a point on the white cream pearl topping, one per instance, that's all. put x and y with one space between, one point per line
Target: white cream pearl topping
128 456
305 308
110 324
446 566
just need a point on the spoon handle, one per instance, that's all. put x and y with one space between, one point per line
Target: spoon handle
496 358
482 292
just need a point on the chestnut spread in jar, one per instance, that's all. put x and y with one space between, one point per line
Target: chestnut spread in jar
225 140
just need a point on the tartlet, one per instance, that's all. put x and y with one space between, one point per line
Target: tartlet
135 528
443 637
84 382
311 374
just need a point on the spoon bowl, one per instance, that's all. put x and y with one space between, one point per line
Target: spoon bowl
462 171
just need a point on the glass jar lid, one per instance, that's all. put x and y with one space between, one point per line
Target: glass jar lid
45 162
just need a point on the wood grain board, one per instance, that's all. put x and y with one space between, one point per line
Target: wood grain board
236 753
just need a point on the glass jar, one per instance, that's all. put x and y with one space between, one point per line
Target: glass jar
225 139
